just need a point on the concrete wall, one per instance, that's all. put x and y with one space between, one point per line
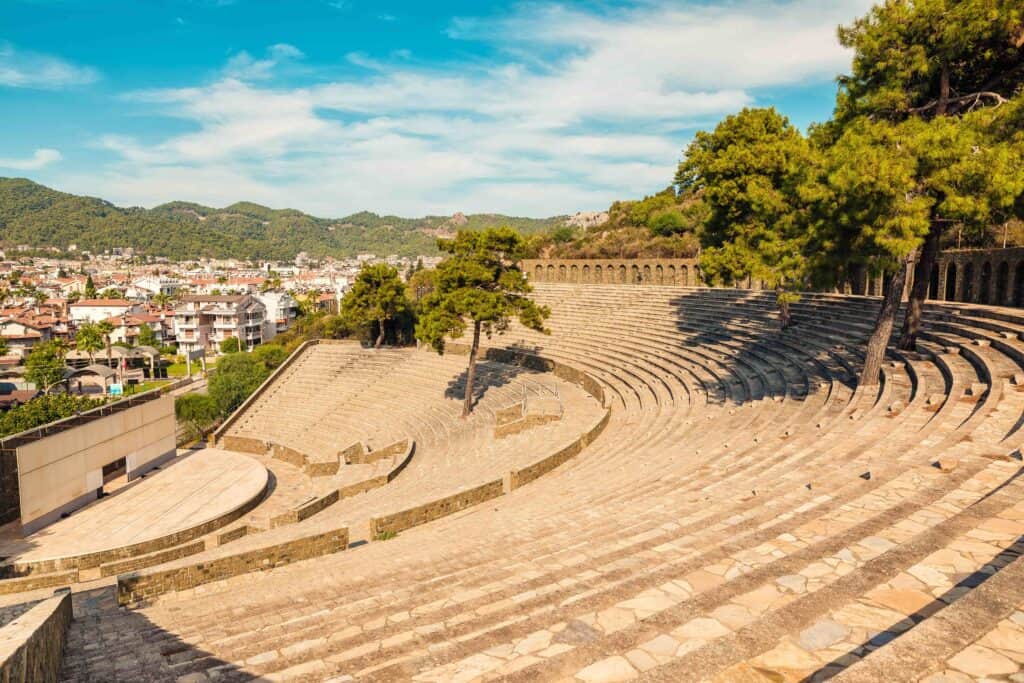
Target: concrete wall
8 487
32 646
60 472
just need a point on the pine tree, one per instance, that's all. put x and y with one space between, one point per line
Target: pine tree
377 297
480 285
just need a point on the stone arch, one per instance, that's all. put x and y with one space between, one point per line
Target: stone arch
622 274
551 273
1018 284
985 288
659 274
597 273
671 275
574 273
634 274
967 291
933 283
538 272
951 282
586 273
1002 284
684 275
561 273
647 275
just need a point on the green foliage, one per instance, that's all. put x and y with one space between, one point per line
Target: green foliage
198 412
421 285
235 378
230 345
931 58
270 355
4 348
44 409
377 297
752 173
479 282
147 336
90 288
44 366
89 338
36 215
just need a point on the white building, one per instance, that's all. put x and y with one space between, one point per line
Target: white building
95 310
203 321
282 310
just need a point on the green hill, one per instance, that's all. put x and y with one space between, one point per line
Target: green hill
38 216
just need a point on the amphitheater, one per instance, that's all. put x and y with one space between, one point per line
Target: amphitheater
665 488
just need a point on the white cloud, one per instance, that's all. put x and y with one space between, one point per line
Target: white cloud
584 108
24 69
42 157
243 66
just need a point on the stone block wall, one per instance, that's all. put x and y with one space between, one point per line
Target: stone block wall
421 514
614 271
32 646
982 276
144 586
243 444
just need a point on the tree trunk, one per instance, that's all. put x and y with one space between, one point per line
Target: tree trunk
380 334
785 315
875 352
467 405
919 292
943 104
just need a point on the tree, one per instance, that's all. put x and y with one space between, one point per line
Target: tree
4 347
147 336
234 379
89 338
270 355
197 411
932 60
230 345
753 171
106 328
44 366
377 296
90 288
420 285
478 284
871 215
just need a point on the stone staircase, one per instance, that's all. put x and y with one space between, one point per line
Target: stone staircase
748 514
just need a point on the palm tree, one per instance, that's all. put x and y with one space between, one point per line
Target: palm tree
105 328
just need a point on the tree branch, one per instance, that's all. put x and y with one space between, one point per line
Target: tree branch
973 98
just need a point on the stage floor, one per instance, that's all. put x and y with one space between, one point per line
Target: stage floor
187 491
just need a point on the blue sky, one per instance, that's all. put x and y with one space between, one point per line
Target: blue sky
336 106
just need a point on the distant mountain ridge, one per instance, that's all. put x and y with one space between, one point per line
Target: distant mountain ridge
39 216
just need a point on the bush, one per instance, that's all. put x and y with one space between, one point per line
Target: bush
235 378
270 355
198 412
44 409
231 345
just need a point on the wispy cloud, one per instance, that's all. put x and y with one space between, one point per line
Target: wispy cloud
26 69
42 157
244 66
583 108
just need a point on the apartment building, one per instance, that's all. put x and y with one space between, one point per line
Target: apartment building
282 310
203 321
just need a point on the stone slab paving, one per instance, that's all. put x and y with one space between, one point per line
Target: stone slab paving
186 492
